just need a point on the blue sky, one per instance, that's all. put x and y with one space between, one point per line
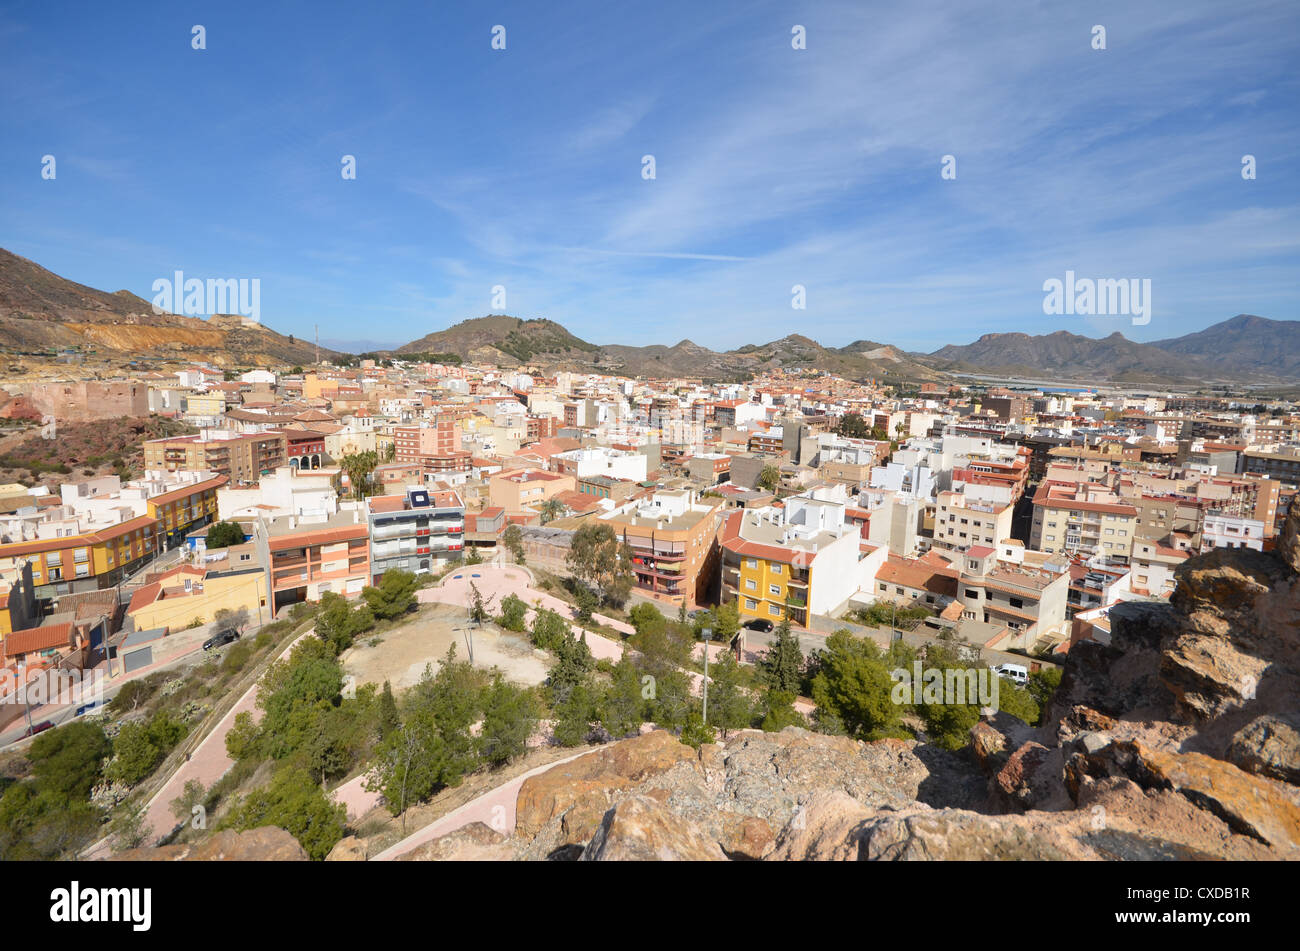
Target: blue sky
774 166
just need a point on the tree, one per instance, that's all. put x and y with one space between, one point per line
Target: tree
586 601
597 557
66 761
549 629
358 466
472 556
623 708
338 623
550 510
574 715
696 732
854 686
296 804
390 452
389 720
781 665
233 621
769 479
480 608
1042 687
780 713
510 717
393 596
513 539
513 613
224 534
853 426
730 706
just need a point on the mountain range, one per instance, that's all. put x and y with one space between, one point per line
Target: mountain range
41 311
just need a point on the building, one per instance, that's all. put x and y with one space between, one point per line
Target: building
526 490
1027 598
239 457
599 460
306 557
961 523
189 594
289 490
673 539
791 562
87 400
1083 519
416 531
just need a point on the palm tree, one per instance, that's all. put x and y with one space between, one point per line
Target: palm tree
551 509
358 466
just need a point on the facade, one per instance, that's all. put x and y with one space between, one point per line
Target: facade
1083 519
305 557
526 490
674 544
961 524
790 563
242 458
1030 600
88 400
416 531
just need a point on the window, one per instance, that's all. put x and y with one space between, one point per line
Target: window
774 610
1017 602
751 584
776 569
751 604
753 562
774 589
971 593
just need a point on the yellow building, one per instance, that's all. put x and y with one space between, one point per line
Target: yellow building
188 594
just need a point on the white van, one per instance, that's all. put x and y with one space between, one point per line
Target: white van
1014 672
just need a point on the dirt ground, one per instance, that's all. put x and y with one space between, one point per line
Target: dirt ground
402 653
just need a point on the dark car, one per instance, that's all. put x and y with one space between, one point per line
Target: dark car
40 728
220 640
760 625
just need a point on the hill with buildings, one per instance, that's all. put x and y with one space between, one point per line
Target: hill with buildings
42 314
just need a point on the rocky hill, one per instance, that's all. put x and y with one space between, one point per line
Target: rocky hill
41 312
1245 342
1180 739
513 341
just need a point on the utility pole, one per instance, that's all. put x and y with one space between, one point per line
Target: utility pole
708 635
317 326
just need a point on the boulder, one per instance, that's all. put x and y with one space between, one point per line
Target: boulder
1269 746
641 830
264 844
476 842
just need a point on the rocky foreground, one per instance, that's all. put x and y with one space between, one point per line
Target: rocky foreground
1178 740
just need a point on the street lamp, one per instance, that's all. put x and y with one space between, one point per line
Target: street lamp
708 635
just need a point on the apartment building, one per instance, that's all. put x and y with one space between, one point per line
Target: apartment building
1083 519
1007 588
526 490
305 557
288 490
416 531
673 538
240 457
961 523
792 562
104 529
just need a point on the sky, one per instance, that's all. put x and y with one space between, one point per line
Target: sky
523 168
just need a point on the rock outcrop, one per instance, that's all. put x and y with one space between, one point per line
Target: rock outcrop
265 844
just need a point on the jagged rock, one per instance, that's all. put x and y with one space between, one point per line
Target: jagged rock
987 743
589 782
744 837
347 849
640 829
1031 777
954 834
1081 719
1249 804
828 828
265 844
1269 746
476 842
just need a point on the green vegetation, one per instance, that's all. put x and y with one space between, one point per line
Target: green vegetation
393 596
886 614
598 559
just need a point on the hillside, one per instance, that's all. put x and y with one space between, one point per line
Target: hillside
1244 343
504 340
41 312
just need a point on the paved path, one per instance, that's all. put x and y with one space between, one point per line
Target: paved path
495 809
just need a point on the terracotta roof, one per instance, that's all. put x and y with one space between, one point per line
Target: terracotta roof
38 639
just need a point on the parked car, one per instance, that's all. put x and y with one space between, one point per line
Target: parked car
760 625
1016 673
39 727
220 640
